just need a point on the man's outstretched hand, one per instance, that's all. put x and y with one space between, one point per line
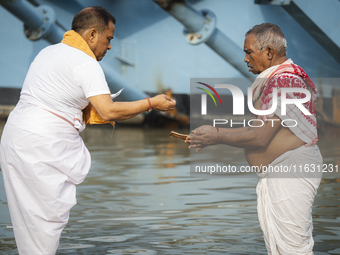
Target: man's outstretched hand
201 137
162 103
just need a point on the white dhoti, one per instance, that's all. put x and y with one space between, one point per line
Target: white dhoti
285 204
42 159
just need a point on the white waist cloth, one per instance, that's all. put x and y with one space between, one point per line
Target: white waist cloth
48 139
285 204
42 158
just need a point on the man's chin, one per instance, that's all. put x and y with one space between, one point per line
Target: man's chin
254 71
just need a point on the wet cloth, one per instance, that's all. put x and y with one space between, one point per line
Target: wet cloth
285 204
288 75
285 199
42 155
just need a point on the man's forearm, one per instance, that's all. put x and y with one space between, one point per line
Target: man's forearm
240 137
233 130
110 110
127 110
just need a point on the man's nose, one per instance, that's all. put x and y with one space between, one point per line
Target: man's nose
109 46
246 59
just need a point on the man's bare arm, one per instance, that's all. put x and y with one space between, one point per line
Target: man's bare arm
246 137
110 110
253 136
232 130
222 130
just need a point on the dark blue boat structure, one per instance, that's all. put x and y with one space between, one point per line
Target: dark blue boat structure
160 44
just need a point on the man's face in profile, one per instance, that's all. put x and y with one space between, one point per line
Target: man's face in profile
103 42
255 59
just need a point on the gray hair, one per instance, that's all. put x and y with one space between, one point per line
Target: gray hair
269 35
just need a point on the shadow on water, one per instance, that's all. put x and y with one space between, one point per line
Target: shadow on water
139 198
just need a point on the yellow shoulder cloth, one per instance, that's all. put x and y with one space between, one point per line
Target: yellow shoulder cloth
90 114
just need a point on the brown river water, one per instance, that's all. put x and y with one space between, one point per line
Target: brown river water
139 198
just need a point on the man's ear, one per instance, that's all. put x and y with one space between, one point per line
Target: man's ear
93 33
270 53
89 35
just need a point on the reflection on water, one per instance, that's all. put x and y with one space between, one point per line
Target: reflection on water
139 198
